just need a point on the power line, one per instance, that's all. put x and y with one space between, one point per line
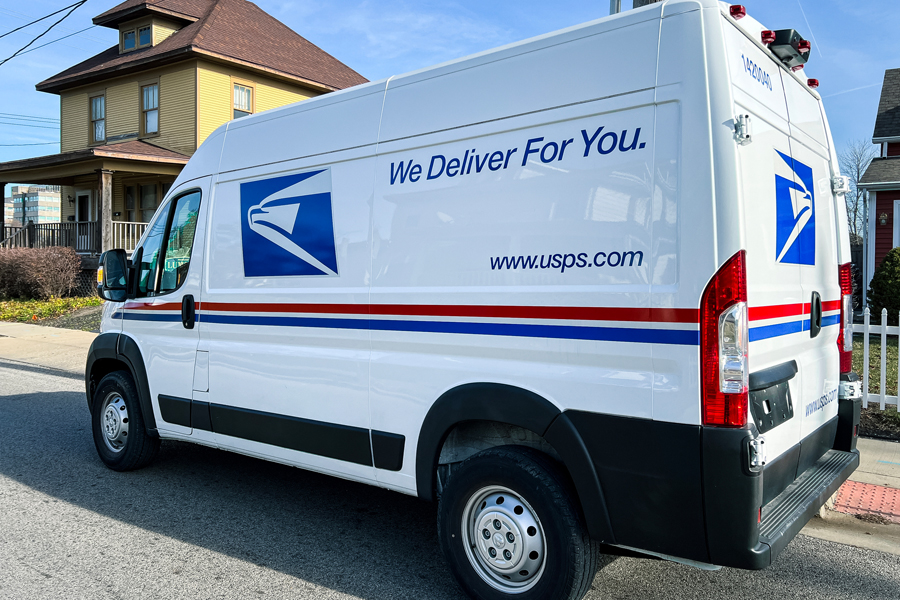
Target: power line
41 19
73 8
17 117
22 17
57 40
38 144
25 125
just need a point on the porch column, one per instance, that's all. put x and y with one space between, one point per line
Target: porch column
3 211
106 199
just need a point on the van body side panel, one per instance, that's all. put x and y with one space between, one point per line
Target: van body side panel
683 227
521 247
285 297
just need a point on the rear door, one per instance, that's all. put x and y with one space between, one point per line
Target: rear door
771 209
817 258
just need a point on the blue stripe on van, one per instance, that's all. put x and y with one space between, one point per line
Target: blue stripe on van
779 329
607 334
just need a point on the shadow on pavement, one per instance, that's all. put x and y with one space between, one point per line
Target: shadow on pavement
350 537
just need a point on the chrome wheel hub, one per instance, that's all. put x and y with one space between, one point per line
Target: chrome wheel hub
114 421
504 540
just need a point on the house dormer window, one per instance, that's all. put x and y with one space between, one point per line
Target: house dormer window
137 37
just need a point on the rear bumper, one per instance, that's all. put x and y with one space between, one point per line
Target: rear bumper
733 501
689 492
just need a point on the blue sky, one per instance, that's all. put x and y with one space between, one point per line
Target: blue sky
853 43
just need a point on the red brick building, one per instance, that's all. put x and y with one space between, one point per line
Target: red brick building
882 178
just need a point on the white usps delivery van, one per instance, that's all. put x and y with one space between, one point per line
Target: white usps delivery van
590 292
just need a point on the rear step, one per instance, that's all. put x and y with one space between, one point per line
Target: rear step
786 514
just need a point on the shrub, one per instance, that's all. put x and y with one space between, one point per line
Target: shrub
57 274
17 273
884 290
38 273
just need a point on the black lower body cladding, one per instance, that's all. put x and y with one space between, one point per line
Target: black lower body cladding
688 491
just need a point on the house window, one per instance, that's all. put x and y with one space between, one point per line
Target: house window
243 100
149 201
98 119
150 109
137 38
130 209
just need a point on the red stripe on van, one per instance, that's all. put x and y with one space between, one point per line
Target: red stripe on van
760 313
665 315
831 305
157 306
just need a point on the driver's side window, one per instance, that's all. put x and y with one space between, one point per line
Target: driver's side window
166 253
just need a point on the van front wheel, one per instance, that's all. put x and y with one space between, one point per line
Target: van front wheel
509 527
118 425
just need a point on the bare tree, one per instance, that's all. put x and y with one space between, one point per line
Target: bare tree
854 160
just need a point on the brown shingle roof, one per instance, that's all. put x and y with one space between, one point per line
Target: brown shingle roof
887 123
130 9
882 171
231 30
132 150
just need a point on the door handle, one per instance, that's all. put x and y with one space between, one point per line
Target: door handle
815 315
187 311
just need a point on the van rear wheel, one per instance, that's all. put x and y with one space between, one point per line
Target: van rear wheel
118 425
509 527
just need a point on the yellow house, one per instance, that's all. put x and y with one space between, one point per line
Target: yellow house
132 115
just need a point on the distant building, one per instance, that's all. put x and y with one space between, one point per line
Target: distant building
882 178
132 115
37 203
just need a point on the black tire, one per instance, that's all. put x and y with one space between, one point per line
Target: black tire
118 425
498 483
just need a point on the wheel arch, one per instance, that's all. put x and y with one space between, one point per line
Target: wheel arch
519 408
117 352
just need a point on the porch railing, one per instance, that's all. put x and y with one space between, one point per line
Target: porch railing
126 234
82 236
15 239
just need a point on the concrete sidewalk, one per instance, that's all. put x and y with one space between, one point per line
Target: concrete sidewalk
874 488
50 347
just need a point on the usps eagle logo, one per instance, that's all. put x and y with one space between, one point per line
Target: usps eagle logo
795 209
287 226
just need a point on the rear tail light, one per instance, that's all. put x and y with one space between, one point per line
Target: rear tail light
767 37
845 336
738 12
813 83
724 342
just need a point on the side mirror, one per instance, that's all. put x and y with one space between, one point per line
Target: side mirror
112 276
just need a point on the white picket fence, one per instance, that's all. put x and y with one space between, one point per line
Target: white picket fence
867 329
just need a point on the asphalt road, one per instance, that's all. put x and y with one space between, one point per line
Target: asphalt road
202 523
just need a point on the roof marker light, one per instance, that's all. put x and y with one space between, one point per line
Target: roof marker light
738 11
813 83
797 68
804 46
767 37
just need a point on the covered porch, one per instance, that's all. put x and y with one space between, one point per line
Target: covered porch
109 194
